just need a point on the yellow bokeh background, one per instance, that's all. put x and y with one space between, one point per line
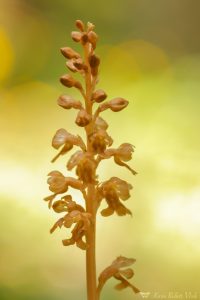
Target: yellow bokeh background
150 55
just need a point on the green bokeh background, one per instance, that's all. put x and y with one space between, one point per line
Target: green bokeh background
150 55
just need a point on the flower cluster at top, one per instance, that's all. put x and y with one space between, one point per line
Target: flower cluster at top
97 147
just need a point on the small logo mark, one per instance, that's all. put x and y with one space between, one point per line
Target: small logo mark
145 295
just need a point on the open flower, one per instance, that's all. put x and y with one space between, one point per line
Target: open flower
113 190
83 221
85 166
58 183
100 140
76 215
121 154
124 152
67 140
116 270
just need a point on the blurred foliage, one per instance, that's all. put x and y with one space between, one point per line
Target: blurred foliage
150 54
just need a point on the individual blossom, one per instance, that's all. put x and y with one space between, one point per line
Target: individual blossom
85 166
100 123
75 215
94 62
92 37
58 183
115 105
100 140
69 53
77 65
68 81
63 138
113 190
99 96
83 118
68 102
118 270
66 203
121 154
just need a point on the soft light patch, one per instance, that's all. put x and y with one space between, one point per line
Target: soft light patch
180 213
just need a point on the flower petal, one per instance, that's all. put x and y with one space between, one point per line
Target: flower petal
74 159
60 138
114 270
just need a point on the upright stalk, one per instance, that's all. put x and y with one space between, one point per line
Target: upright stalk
90 200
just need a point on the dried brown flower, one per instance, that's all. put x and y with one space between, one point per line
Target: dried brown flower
116 270
67 140
113 190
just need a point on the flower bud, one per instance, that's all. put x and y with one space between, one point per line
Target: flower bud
83 118
68 102
70 65
69 53
118 104
78 63
90 26
78 85
115 105
84 39
76 36
80 25
92 37
99 96
94 64
68 81
94 61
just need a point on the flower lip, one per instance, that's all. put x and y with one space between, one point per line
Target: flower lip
57 182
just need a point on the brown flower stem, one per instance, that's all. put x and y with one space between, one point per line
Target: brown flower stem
90 200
